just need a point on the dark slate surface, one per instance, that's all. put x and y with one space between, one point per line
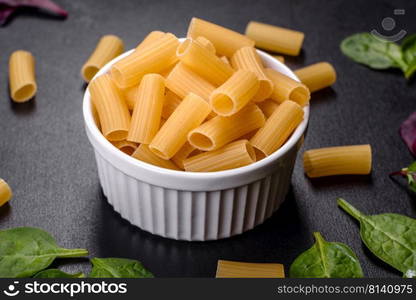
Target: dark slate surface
46 158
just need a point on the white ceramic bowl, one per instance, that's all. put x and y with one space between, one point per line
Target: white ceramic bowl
187 205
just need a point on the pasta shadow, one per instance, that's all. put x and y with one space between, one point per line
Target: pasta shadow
24 108
341 180
5 211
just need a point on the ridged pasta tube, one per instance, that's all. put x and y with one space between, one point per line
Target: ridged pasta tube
341 160
234 269
317 76
234 155
22 76
109 47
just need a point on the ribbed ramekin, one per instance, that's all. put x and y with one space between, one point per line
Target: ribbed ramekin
193 206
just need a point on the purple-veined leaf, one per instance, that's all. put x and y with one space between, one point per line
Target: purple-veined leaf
408 132
7 7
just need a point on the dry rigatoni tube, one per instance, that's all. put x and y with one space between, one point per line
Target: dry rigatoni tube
158 56
144 154
274 38
219 131
22 76
206 43
130 96
182 81
172 101
125 146
186 151
268 106
341 160
285 88
226 41
237 154
317 76
247 59
203 62
235 93
279 126
149 39
109 47
172 136
111 107
145 121
234 269
5 192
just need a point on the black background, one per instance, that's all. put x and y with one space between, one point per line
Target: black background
46 157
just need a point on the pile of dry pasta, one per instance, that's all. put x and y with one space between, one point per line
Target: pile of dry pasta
205 104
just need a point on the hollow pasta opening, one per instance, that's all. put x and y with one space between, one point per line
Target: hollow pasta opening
300 95
201 141
25 93
158 152
183 47
116 135
222 104
128 149
89 72
259 155
251 151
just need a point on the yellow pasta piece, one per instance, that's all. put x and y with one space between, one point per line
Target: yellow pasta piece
274 38
280 58
286 88
247 59
130 95
144 154
172 101
317 76
237 154
190 113
235 93
206 43
149 39
158 56
279 126
203 62
109 47
225 59
182 81
219 131
111 107
226 41
22 76
126 146
145 122
5 192
341 160
234 269
186 151
268 106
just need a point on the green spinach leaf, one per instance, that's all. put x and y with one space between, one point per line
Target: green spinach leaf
376 53
391 237
24 251
118 268
410 174
326 260
56 273
409 54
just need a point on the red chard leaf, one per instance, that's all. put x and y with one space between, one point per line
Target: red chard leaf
408 132
5 13
7 7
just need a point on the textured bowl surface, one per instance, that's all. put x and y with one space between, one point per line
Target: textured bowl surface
193 206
